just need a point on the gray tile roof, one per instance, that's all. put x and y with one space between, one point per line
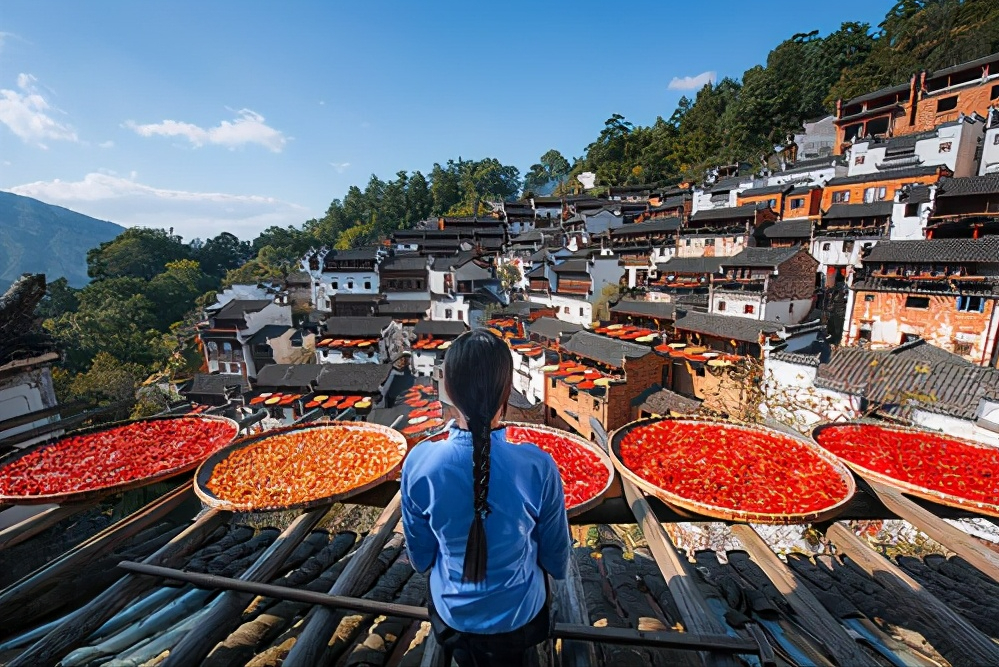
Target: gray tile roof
269 331
970 186
656 309
984 250
350 378
663 401
403 306
552 328
766 190
356 255
238 308
648 227
726 184
761 257
537 272
887 174
289 375
404 263
725 326
694 265
573 266
848 211
789 229
605 350
472 271
916 194
813 164
914 373
361 327
883 92
440 328
730 213
206 384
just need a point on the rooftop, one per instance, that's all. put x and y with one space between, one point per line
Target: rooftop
983 250
290 375
767 190
440 328
659 401
970 186
405 263
848 211
572 266
696 265
552 328
656 309
357 327
729 213
725 326
762 257
886 175
269 332
789 229
349 378
238 308
214 384
647 227
605 350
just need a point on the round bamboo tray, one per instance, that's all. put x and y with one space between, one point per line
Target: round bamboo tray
987 509
204 472
98 493
686 505
587 505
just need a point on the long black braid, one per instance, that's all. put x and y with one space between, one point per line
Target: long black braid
478 374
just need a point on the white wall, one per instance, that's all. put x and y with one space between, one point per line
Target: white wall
736 302
335 356
958 428
343 279
569 309
26 392
724 246
963 138
817 176
990 153
439 305
423 361
789 311
792 398
909 228
835 255
528 377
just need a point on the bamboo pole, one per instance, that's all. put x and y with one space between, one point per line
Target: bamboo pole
971 647
809 612
75 628
680 640
322 622
983 559
38 523
225 612
51 587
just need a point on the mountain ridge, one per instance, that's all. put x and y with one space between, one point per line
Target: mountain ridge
36 237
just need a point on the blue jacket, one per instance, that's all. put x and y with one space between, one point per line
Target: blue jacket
527 533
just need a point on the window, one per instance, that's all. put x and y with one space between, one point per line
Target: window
995 139
922 302
772 202
699 371
848 246
947 103
971 304
945 146
825 246
553 383
335 285
875 194
749 309
798 202
868 297
709 242
686 242
350 284
994 95
447 313
596 404
962 348
865 334
911 210
565 310
367 284
461 315
859 159
841 197
721 305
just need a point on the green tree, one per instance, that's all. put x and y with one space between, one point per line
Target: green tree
445 186
59 298
222 253
509 275
419 201
138 252
175 290
107 381
392 207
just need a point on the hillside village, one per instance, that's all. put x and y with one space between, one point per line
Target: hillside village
859 278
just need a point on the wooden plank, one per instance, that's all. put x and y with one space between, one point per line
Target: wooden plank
44 413
50 587
971 647
809 612
569 606
982 558
322 621
75 628
38 523
224 615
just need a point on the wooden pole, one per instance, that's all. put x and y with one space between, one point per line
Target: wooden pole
225 612
982 558
322 622
50 587
809 612
581 632
74 630
38 523
971 647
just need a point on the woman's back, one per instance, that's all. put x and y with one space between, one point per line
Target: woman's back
526 529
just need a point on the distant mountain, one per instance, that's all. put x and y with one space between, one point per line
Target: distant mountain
36 237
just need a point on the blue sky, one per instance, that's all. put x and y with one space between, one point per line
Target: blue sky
237 115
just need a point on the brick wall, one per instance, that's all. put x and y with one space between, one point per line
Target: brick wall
940 324
969 100
795 279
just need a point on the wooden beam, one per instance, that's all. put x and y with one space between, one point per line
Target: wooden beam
978 555
809 612
21 420
322 622
37 523
50 587
581 632
224 615
75 628
971 647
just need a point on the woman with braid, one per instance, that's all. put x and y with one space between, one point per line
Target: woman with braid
484 516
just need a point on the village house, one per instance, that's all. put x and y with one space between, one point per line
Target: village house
575 285
965 208
404 277
227 334
344 282
214 388
358 340
281 344
550 331
952 145
915 383
774 284
682 277
817 139
629 368
369 383
943 291
462 288
926 101
656 315
988 162
519 216
674 203
641 245
722 232
722 193
813 171
432 340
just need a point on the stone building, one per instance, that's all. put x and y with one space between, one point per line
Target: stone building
774 284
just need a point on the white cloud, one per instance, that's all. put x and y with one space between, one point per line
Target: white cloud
340 166
106 144
108 196
692 82
27 113
247 128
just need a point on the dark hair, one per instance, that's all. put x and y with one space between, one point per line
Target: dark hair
478 375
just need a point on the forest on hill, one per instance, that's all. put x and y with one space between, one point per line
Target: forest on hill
136 317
